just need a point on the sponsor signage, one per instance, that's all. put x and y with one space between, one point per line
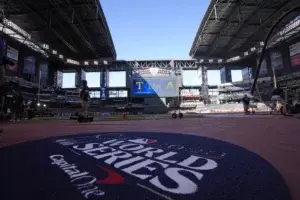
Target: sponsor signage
104 82
291 26
225 75
103 92
263 72
295 54
43 73
150 72
247 74
137 166
13 55
276 60
29 65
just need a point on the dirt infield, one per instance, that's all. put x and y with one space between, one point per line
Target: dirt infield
275 138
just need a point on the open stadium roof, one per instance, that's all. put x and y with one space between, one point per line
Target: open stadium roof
76 29
231 27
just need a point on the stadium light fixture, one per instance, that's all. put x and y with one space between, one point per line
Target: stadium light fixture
201 61
15 32
86 62
253 49
54 52
96 62
234 58
12 25
61 56
105 62
45 46
211 60
72 61
262 43
220 60
246 53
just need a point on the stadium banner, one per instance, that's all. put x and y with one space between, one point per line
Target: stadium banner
225 75
44 73
247 74
295 54
104 83
161 86
276 60
263 72
59 82
29 65
13 55
290 26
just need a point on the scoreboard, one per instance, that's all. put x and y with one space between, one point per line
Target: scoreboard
154 82
152 86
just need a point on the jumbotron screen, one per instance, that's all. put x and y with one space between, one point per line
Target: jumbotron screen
164 86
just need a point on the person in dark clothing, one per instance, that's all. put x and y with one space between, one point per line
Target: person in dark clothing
3 61
246 103
17 104
84 96
277 94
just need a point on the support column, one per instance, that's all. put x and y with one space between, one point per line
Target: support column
204 87
78 77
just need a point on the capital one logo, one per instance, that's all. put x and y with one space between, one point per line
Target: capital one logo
143 141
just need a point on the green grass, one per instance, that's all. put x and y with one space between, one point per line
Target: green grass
129 117
108 118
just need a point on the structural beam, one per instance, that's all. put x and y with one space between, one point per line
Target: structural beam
274 16
232 46
226 25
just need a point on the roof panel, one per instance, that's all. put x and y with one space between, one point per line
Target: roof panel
75 23
246 23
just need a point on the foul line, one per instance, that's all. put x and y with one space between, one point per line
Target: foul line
153 191
75 152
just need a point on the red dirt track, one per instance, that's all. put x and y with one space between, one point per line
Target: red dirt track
275 138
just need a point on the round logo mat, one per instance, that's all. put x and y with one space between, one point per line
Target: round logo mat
136 166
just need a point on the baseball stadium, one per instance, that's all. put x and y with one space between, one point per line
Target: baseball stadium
173 132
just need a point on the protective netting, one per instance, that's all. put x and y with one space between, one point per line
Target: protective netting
282 47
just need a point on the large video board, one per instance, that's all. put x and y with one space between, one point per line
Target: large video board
160 86
154 82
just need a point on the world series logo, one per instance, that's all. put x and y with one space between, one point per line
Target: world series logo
138 166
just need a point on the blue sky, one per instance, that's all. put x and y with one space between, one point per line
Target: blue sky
156 29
